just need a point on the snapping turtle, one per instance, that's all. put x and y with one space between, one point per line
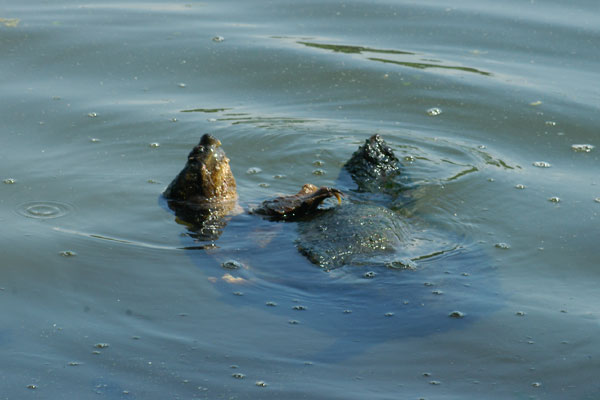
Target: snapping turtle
365 232
204 193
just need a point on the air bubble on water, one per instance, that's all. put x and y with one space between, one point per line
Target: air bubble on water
520 313
9 181
238 375
435 382
597 199
154 145
238 293
550 123
437 292
218 39
519 186
32 386
271 304
369 274
318 172
347 311
67 253
536 384
92 115
582 148
542 164
181 85
434 111
74 363
389 314
318 163
279 176
253 170
409 159
299 308
264 185
554 199
94 140
101 345
502 245
261 384
535 103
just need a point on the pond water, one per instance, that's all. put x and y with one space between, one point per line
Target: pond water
492 107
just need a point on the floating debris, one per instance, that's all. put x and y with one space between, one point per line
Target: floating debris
542 164
232 264
434 111
253 171
456 314
502 246
582 148
218 39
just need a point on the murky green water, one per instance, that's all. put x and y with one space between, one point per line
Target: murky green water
487 104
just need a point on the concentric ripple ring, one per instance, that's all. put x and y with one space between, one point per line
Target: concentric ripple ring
44 209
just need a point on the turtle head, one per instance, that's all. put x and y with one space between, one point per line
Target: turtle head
206 177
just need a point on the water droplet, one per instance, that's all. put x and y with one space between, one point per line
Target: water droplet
519 186
582 148
369 274
434 111
67 253
154 145
503 246
456 314
253 170
218 39
92 115
232 264
318 172
554 199
542 164
238 375
9 181
44 209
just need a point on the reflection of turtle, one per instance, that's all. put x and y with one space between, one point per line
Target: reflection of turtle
204 192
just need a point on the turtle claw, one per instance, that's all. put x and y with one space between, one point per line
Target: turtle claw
303 203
